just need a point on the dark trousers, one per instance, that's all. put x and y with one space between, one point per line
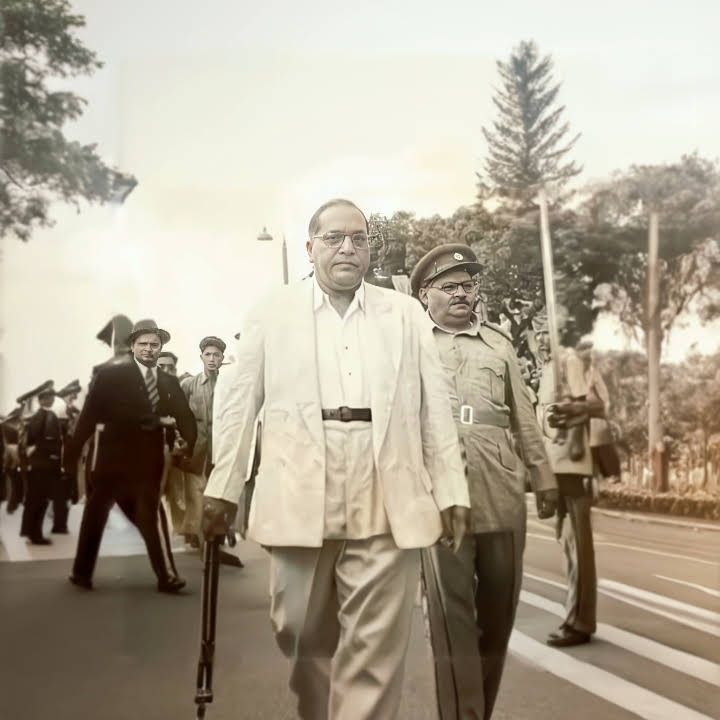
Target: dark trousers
479 589
39 487
60 496
574 531
138 495
16 489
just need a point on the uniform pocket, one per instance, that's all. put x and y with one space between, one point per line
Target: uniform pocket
488 379
508 459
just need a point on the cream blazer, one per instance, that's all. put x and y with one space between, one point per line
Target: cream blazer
415 443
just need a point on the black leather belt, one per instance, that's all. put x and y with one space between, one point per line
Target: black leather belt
347 414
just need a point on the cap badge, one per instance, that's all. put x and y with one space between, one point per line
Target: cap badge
458 256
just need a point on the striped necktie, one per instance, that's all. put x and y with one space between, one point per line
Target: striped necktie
151 384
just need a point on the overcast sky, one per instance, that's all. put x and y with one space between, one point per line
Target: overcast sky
236 115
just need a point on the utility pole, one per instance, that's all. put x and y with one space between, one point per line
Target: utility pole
656 445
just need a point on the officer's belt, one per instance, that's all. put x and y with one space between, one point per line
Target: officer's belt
470 415
347 414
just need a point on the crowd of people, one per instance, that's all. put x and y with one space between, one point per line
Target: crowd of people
399 439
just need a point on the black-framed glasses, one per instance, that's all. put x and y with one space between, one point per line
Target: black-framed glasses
360 240
451 288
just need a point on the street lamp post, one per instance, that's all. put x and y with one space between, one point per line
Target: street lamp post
265 236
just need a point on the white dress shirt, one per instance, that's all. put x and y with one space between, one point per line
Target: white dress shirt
145 368
341 365
353 498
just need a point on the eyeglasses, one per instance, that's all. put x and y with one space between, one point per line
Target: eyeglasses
451 288
360 240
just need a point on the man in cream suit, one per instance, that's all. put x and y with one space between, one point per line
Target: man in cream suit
360 468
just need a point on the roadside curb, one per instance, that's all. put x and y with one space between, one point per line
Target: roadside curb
690 524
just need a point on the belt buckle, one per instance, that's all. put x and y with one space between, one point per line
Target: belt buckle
466 414
345 413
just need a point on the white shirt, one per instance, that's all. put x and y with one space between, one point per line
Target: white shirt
340 351
145 368
353 498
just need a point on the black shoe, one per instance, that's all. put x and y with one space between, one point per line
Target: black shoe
227 558
40 541
81 582
61 531
567 637
171 585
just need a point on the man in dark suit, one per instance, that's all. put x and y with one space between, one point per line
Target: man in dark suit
44 451
129 406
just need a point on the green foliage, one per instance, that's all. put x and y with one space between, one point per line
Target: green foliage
528 141
686 196
38 164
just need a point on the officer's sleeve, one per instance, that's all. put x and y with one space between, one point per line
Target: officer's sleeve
441 448
525 426
235 411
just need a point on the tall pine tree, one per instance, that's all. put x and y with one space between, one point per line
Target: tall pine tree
528 141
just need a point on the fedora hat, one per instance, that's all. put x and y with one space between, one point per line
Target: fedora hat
143 327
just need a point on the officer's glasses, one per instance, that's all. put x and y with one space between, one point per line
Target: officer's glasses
451 288
360 240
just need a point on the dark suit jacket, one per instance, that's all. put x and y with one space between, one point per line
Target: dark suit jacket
43 432
132 437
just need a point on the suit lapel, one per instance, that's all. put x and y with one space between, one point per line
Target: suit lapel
382 357
303 364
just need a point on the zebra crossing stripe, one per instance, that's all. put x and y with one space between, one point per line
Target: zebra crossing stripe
677 660
611 688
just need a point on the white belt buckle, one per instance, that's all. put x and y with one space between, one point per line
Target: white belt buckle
466 414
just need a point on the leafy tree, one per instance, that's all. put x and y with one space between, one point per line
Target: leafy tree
528 142
38 164
687 197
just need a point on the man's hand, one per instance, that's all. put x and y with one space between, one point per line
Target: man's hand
546 502
168 421
455 522
218 516
565 414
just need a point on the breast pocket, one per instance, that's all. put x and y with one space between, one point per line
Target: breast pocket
487 378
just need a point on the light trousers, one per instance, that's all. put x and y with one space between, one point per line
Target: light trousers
342 614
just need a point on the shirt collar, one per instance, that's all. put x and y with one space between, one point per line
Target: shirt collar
320 296
144 368
473 330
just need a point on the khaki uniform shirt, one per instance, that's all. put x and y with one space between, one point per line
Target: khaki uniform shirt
559 453
490 401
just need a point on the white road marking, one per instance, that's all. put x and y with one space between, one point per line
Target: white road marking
695 586
652 597
678 660
636 549
540 578
695 624
611 688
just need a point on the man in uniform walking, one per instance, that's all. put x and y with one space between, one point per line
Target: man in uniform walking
360 467
43 447
480 584
133 404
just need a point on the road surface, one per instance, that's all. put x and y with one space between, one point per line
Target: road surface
124 651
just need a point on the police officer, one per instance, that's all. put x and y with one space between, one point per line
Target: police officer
43 447
480 585
572 461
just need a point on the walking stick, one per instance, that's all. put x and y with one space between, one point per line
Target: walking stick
204 694
211 569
